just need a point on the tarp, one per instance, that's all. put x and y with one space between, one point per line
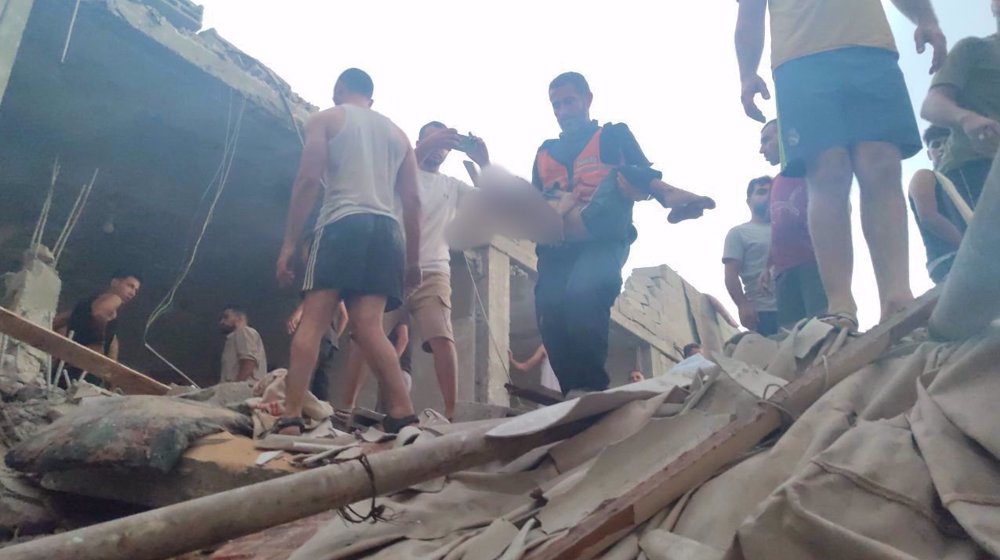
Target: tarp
900 460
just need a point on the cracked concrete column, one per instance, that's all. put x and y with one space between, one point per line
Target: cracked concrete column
492 280
13 20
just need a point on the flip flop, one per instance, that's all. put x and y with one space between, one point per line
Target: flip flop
691 210
842 320
394 425
288 422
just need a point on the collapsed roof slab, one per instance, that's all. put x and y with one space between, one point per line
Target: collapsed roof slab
157 109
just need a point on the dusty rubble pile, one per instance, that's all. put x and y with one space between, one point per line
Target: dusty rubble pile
898 460
47 430
894 456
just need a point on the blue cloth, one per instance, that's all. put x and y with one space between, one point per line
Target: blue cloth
840 98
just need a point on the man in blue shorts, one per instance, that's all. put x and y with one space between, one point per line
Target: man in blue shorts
843 112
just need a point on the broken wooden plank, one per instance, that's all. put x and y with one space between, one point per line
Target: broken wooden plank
534 393
199 523
617 517
119 376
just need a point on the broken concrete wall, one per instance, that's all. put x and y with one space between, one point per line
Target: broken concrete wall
32 293
155 108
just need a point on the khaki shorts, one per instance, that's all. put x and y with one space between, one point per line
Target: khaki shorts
429 306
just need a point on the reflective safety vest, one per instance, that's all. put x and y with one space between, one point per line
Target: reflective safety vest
583 178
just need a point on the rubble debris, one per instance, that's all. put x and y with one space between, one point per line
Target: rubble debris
127 432
31 293
24 508
212 464
223 394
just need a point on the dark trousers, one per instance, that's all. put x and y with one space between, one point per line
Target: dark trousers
767 323
320 383
800 294
577 285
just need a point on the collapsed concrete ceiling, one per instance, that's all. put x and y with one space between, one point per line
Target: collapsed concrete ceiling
153 107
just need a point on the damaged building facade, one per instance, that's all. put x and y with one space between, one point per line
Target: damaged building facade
195 145
816 443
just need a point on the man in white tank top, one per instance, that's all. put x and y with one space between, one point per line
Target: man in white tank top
355 161
429 306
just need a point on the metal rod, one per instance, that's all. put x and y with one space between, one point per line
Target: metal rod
69 32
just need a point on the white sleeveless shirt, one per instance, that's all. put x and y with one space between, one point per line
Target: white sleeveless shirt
363 160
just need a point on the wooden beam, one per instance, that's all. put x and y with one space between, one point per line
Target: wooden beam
615 518
535 393
62 348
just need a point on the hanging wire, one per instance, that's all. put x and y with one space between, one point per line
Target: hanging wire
218 183
486 320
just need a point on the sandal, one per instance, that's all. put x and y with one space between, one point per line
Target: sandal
394 425
288 422
842 320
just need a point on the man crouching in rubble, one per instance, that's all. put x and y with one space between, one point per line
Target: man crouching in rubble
359 161
591 175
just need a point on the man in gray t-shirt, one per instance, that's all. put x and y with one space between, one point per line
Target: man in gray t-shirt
243 356
745 259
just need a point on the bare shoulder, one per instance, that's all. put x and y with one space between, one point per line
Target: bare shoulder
108 299
923 180
106 305
331 120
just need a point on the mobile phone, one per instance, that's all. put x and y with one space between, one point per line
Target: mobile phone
465 143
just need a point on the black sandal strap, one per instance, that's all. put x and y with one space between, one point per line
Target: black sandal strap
394 425
288 422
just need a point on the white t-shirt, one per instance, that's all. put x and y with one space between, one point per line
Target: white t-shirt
439 196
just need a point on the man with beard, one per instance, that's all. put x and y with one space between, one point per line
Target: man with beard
745 259
243 356
591 175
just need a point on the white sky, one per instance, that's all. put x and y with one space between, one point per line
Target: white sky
667 69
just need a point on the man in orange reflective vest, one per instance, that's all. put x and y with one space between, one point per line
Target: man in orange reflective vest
592 175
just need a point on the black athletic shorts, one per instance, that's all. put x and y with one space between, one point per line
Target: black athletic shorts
359 254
